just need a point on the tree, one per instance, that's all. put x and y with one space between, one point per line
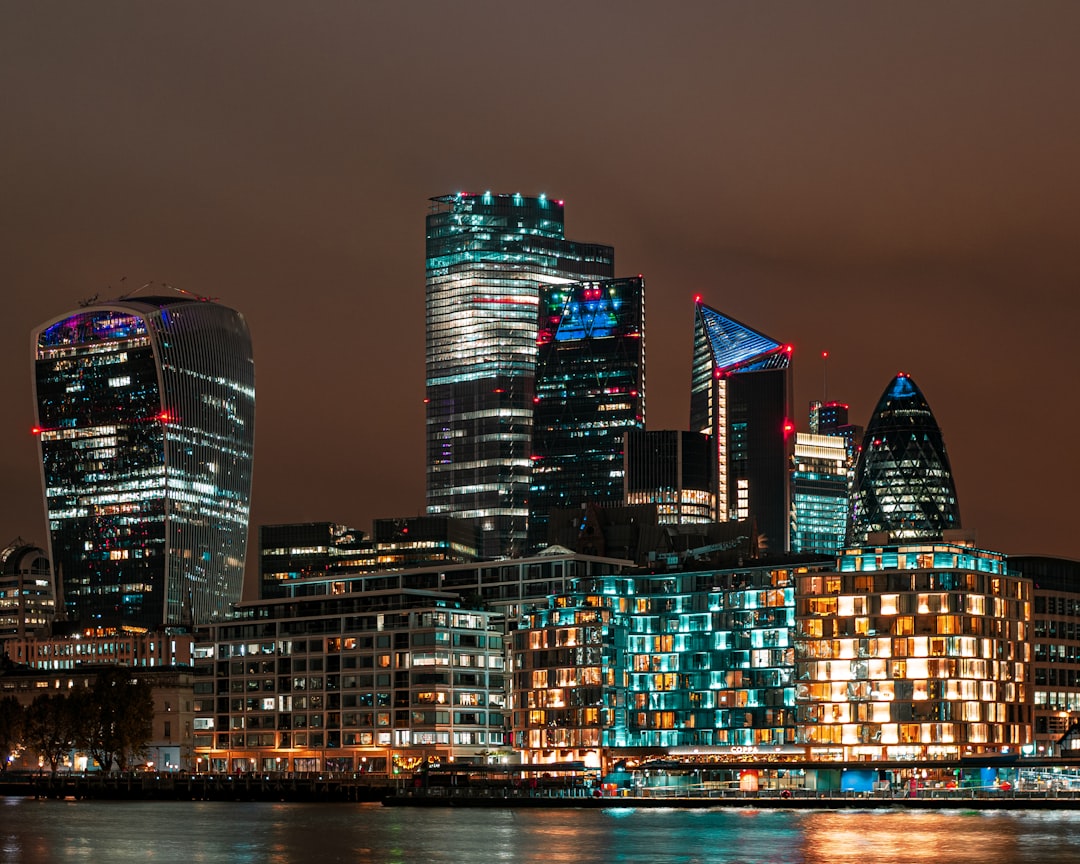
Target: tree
118 722
51 727
11 729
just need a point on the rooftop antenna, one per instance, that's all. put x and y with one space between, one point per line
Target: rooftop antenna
191 294
136 291
824 377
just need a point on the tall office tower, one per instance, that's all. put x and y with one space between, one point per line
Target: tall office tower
903 482
27 596
145 423
674 470
831 418
590 389
487 255
819 494
740 394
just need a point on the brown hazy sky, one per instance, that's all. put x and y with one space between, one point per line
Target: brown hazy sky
896 183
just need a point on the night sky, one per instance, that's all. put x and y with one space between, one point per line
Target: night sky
897 184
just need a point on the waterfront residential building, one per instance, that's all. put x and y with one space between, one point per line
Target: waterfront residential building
819 494
913 651
1055 643
903 482
145 425
590 390
672 470
642 666
381 681
27 596
486 257
740 395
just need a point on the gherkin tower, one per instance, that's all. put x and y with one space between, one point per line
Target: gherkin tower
903 482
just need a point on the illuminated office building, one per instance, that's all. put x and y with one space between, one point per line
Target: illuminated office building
903 483
819 494
913 652
303 549
831 418
672 470
740 395
486 257
590 390
145 424
27 596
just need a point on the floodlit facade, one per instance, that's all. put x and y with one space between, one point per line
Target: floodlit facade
740 395
903 482
819 494
486 257
590 389
914 652
145 425
128 646
672 470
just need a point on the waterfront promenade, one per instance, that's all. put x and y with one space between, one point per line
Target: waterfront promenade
403 792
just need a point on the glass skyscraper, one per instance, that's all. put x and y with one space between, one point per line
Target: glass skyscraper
740 394
819 494
590 390
903 483
487 255
145 423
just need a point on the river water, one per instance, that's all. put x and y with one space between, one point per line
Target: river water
213 832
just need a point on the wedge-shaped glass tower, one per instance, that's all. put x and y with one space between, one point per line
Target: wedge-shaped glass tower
145 423
740 394
903 482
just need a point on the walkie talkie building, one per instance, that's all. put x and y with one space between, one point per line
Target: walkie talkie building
145 422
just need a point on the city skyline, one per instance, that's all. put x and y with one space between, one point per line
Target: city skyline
895 188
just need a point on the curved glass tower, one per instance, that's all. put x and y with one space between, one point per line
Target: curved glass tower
487 256
145 423
903 482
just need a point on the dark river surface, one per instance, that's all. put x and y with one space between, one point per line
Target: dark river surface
218 832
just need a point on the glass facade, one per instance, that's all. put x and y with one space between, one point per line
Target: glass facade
145 423
740 395
486 257
672 470
651 663
903 483
914 652
819 494
590 389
